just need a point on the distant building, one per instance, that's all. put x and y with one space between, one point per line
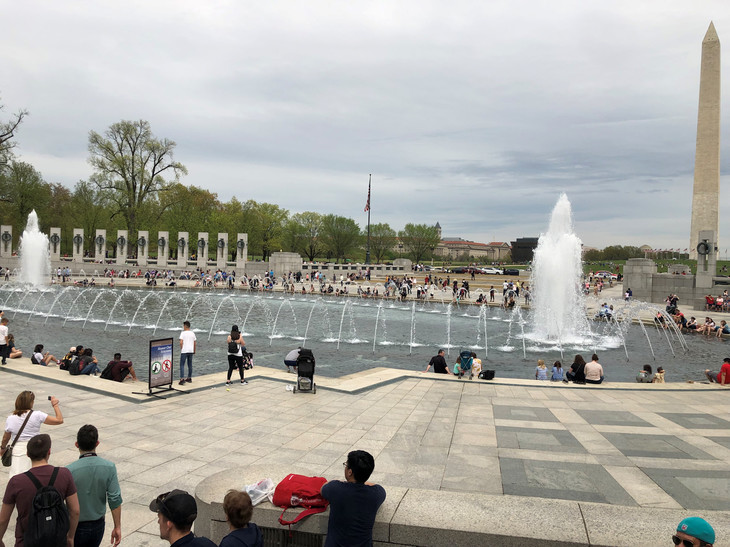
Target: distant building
454 247
523 249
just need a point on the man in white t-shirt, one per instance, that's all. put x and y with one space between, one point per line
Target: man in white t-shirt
4 339
187 349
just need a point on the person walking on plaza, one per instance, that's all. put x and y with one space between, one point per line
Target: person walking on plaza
24 411
176 511
21 490
694 532
353 503
188 344
236 347
97 484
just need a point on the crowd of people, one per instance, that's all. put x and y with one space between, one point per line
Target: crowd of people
77 495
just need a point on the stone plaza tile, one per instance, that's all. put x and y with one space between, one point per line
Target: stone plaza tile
532 414
694 489
537 439
655 446
697 420
641 488
619 418
557 480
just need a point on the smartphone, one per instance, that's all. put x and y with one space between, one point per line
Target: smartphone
49 397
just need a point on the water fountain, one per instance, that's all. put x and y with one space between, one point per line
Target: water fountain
349 334
559 310
35 261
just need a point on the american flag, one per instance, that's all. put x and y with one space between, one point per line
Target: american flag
367 205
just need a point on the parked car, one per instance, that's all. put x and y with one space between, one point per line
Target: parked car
606 275
492 271
511 271
460 270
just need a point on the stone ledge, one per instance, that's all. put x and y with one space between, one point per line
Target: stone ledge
412 516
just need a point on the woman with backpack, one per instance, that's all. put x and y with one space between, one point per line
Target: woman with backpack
15 424
236 348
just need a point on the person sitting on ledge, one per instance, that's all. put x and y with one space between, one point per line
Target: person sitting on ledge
90 363
557 375
11 350
40 358
244 533
118 370
722 377
577 372
645 375
594 371
722 329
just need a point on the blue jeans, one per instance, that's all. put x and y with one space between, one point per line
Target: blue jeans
89 533
183 358
90 368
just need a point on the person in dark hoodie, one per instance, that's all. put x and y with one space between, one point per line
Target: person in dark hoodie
238 509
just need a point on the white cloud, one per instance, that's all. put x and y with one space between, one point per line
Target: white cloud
474 114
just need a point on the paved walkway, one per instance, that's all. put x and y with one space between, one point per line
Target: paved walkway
649 447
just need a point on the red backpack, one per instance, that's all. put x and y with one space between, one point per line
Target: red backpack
300 491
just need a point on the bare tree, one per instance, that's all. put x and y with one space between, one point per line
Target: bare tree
7 132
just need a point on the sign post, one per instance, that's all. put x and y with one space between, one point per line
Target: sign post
160 366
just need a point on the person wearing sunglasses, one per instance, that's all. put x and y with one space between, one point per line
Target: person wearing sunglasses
176 511
694 532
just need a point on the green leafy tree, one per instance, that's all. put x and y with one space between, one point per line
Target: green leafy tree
24 189
264 223
419 240
303 234
91 211
382 240
340 236
132 166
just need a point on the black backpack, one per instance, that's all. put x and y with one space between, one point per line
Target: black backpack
75 368
107 372
48 520
66 361
232 347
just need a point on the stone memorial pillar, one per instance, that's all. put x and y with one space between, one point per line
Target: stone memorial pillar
100 245
143 247
221 252
163 248
122 246
54 244
202 250
6 241
241 253
183 242
77 245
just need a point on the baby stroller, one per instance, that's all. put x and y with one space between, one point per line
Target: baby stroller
465 362
305 371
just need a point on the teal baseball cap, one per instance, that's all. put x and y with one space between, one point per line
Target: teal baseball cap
697 527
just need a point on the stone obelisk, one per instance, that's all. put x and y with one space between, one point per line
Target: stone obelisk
706 193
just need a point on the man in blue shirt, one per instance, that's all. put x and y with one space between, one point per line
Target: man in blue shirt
97 484
353 503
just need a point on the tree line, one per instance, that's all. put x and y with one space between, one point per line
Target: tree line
136 185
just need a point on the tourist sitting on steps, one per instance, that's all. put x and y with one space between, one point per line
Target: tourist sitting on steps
40 358
645 375
577 372
12 351
90 365
594 371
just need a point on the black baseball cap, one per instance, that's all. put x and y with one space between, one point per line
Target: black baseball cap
177 506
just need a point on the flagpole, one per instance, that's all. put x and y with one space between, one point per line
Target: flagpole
367 249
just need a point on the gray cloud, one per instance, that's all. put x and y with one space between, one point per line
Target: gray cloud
473 114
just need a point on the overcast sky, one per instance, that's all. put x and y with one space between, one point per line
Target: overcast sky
475 114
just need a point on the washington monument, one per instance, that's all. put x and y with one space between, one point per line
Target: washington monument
706 193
